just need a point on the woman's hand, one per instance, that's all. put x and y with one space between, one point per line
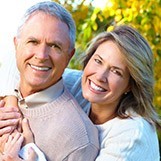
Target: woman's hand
9 119
14 144
27 133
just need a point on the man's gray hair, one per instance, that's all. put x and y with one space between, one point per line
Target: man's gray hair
53 9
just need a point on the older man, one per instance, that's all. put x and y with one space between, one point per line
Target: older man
44 46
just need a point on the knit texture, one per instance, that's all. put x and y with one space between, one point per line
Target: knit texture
131 139
63 131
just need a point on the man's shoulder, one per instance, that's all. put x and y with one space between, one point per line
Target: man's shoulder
74 109
76 122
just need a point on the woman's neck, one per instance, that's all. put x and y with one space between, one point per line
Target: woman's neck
100 115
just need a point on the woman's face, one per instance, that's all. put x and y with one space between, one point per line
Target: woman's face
106 76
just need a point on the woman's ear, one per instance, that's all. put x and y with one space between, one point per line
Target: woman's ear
127 90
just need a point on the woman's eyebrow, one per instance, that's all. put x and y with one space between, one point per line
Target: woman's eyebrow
99 56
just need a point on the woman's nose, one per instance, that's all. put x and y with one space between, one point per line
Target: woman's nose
102 76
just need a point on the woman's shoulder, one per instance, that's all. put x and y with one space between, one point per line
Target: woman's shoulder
135 125
129 138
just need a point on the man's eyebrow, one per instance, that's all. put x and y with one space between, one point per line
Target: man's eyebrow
33 38
55 42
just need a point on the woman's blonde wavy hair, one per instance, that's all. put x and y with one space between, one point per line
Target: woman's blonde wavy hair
139 58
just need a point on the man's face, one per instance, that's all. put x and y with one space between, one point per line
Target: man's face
42 52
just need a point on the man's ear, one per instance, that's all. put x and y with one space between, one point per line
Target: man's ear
15 42
71 53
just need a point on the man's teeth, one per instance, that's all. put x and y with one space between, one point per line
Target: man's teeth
97 88
40 68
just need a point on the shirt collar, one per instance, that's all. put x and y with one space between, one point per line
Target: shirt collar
42 97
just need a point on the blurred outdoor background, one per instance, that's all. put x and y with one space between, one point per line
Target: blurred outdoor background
95 16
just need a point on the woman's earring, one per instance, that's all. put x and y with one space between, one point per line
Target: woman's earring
125 93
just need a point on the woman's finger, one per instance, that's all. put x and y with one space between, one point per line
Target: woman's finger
27 133
32 156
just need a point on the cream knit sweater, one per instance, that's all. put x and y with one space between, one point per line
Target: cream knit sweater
62 130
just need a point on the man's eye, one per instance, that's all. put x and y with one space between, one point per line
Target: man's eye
33 42
55 46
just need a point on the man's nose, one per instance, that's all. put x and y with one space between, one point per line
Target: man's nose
42 53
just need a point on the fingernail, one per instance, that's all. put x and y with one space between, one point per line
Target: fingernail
15 109
25 119
18 115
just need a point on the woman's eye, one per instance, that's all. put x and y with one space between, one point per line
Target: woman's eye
97 61
116 72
